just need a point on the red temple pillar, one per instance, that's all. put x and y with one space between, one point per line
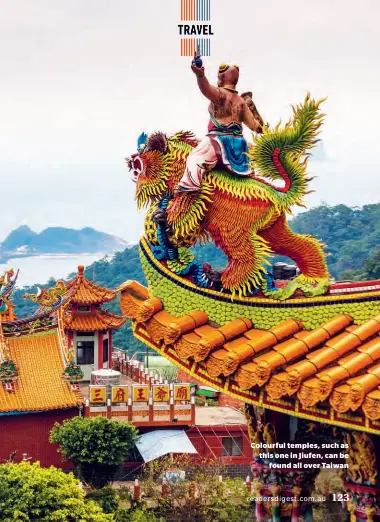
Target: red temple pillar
110 348
70 337
100 350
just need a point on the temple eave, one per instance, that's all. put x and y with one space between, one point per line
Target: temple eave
309 373
97 321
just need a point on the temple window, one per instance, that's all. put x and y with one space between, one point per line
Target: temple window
232 446
84 308
105 350
85 352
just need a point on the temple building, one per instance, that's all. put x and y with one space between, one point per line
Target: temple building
44 357
33 392
88 327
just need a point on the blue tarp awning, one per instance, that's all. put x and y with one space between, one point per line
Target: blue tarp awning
157 443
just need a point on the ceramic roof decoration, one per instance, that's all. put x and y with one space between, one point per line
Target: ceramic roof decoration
315 358
48 297
244 215
7 285
307 347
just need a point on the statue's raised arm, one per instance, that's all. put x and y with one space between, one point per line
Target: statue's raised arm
209 91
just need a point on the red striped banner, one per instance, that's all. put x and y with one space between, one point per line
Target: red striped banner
188 10
187 46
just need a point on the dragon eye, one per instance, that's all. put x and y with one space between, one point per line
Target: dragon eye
223 67
237 67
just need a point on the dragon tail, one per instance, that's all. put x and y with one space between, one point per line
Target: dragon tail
282 153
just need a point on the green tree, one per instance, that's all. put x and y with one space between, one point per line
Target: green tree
369 271
95 445
29 492
372 266
352 235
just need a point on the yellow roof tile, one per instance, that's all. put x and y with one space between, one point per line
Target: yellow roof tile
371 405
40 385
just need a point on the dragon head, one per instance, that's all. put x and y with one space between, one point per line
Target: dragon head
150 169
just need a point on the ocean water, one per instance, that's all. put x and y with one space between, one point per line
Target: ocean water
39 269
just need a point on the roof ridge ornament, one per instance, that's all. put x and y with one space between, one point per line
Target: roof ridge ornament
7 285
48 297
8 371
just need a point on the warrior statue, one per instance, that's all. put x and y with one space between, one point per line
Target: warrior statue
206 190
224 143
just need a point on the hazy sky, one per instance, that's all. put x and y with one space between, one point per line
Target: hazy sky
80 80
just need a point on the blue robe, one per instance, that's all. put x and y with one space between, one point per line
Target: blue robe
230 146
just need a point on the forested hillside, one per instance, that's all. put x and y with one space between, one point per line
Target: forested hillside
351 236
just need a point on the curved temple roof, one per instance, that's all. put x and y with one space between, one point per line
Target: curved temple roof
85 292
97 320
330 372
40 387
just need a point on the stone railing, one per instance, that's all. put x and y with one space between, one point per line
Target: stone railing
135 370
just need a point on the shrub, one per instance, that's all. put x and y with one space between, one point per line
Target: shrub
137 515
29 492
106 498
96 445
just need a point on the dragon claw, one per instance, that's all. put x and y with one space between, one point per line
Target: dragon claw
159 217
214 278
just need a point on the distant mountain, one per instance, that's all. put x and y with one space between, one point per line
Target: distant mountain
58 240
352 238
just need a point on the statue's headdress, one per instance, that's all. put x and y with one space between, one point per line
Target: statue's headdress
228 75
